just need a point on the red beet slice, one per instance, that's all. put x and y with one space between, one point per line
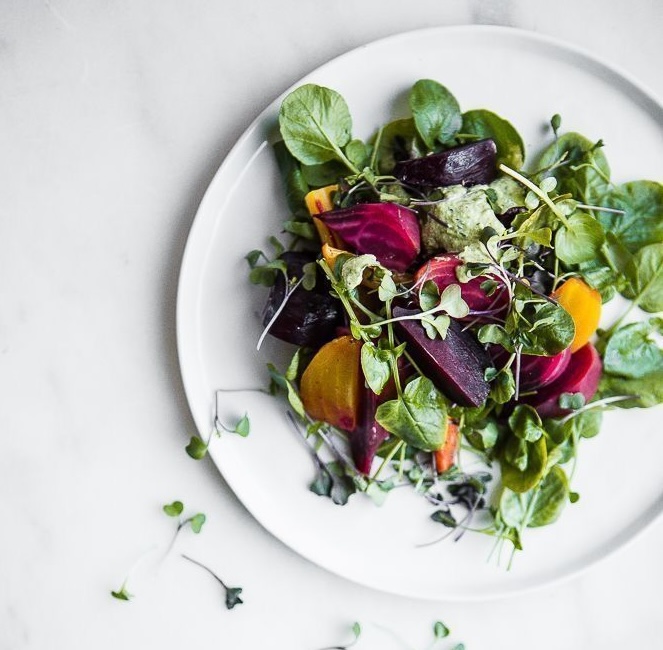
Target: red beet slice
386 230
442 270
535 371
456 365
467 164
581 376
368 435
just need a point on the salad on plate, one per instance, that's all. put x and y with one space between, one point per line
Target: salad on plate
445 297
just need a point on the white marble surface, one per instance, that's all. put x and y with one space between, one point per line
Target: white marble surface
114 115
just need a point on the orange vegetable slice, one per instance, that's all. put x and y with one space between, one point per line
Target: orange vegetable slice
584 305
331 385
445 456
320 200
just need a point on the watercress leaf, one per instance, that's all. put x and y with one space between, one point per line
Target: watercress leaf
315 124
294 183
503 386
452 303
310 276
525 476
196 448
264 275
252 257
327 173
585 172
279 249
642 221
419 417
485 124
618 256
512 508
550 498
647 290
633 351
552 329
647 391
526 423
586 424
397 140
357 153
322 483
445 518
356 630
556 122
232 597
495 334
174 509
436 112
580 239
375 366
343 487
482 434
303 229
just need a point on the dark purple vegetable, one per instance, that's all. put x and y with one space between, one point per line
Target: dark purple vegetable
309 318
368 435
386 230
456 365
467 164
581 376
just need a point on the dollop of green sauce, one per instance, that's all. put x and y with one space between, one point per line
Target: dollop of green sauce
460 216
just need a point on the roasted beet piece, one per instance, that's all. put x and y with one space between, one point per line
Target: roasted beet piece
368 435
535 371
467 164
580 376
456 365
309 318
442 271
386 230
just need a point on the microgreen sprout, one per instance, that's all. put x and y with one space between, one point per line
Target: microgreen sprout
122 593
232 593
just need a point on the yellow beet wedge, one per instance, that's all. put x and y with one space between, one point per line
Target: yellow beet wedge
320 200
331 385
584 305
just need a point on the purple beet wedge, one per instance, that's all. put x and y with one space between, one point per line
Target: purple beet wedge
386 230
456 365
309 318
580 376
442 271
368 435
467 164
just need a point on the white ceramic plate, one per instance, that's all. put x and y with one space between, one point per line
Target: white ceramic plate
526 78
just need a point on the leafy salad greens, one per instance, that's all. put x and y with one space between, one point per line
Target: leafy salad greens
445 296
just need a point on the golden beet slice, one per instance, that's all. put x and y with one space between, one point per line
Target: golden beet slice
584 305
331 385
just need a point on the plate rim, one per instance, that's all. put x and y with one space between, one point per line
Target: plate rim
185 350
